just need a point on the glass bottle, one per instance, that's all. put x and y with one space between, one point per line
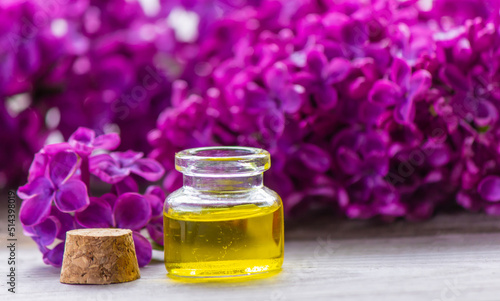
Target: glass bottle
223 222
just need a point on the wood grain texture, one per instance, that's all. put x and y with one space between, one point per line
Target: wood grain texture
449 258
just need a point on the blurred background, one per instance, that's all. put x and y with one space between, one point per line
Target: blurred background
371 109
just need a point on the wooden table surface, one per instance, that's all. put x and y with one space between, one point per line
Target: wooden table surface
449 258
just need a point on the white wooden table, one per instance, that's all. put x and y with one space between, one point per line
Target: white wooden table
449 258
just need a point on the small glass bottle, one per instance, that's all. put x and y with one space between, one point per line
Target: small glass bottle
223 222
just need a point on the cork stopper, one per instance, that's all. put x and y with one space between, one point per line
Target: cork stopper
99 256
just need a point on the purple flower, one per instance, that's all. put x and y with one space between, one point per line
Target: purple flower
128 211
117 166
22 136
473 100
61 171
281 87
489 189
401 91
53 228
61 186
156 197
84 141
361 153
341 93
321 75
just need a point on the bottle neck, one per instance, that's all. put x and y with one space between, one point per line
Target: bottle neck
223 183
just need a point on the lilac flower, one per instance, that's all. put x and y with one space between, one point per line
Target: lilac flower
361 153
84 141
117 166
61 172
281 87
478 174
22 136
156 197
175 125
345 95
489 188
68 193
53 228
321 75
401 91
473 99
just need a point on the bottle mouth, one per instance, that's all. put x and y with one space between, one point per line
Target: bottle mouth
222 161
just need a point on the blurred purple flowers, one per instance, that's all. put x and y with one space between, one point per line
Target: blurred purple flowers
378 108
60 174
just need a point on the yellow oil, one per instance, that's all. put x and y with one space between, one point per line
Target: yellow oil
224 242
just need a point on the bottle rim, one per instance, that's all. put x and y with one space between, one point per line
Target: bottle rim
222 161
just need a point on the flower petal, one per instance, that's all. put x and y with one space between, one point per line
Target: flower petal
54 257
400 72
157 191
355 32
156 204
36 207
360 211
126 158
82 140
336 71
72 196
277 77
107 169
98 214
155 229
64 221
493 209
486 114
326 97
126 185
405 112
39 186
272 123
38 167
420 82
256 99
316 61
62 166
34 210
107 141
467 201
348 160
314 157
55 148
489 188
46 231
452 76
110 198
149 169
437 154
143 249
385 93
172 181
132 211
291 98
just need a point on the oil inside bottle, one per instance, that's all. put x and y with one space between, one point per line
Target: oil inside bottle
224 242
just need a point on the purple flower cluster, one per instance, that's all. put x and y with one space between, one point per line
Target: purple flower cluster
66 64
370 108
382 108
59 194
